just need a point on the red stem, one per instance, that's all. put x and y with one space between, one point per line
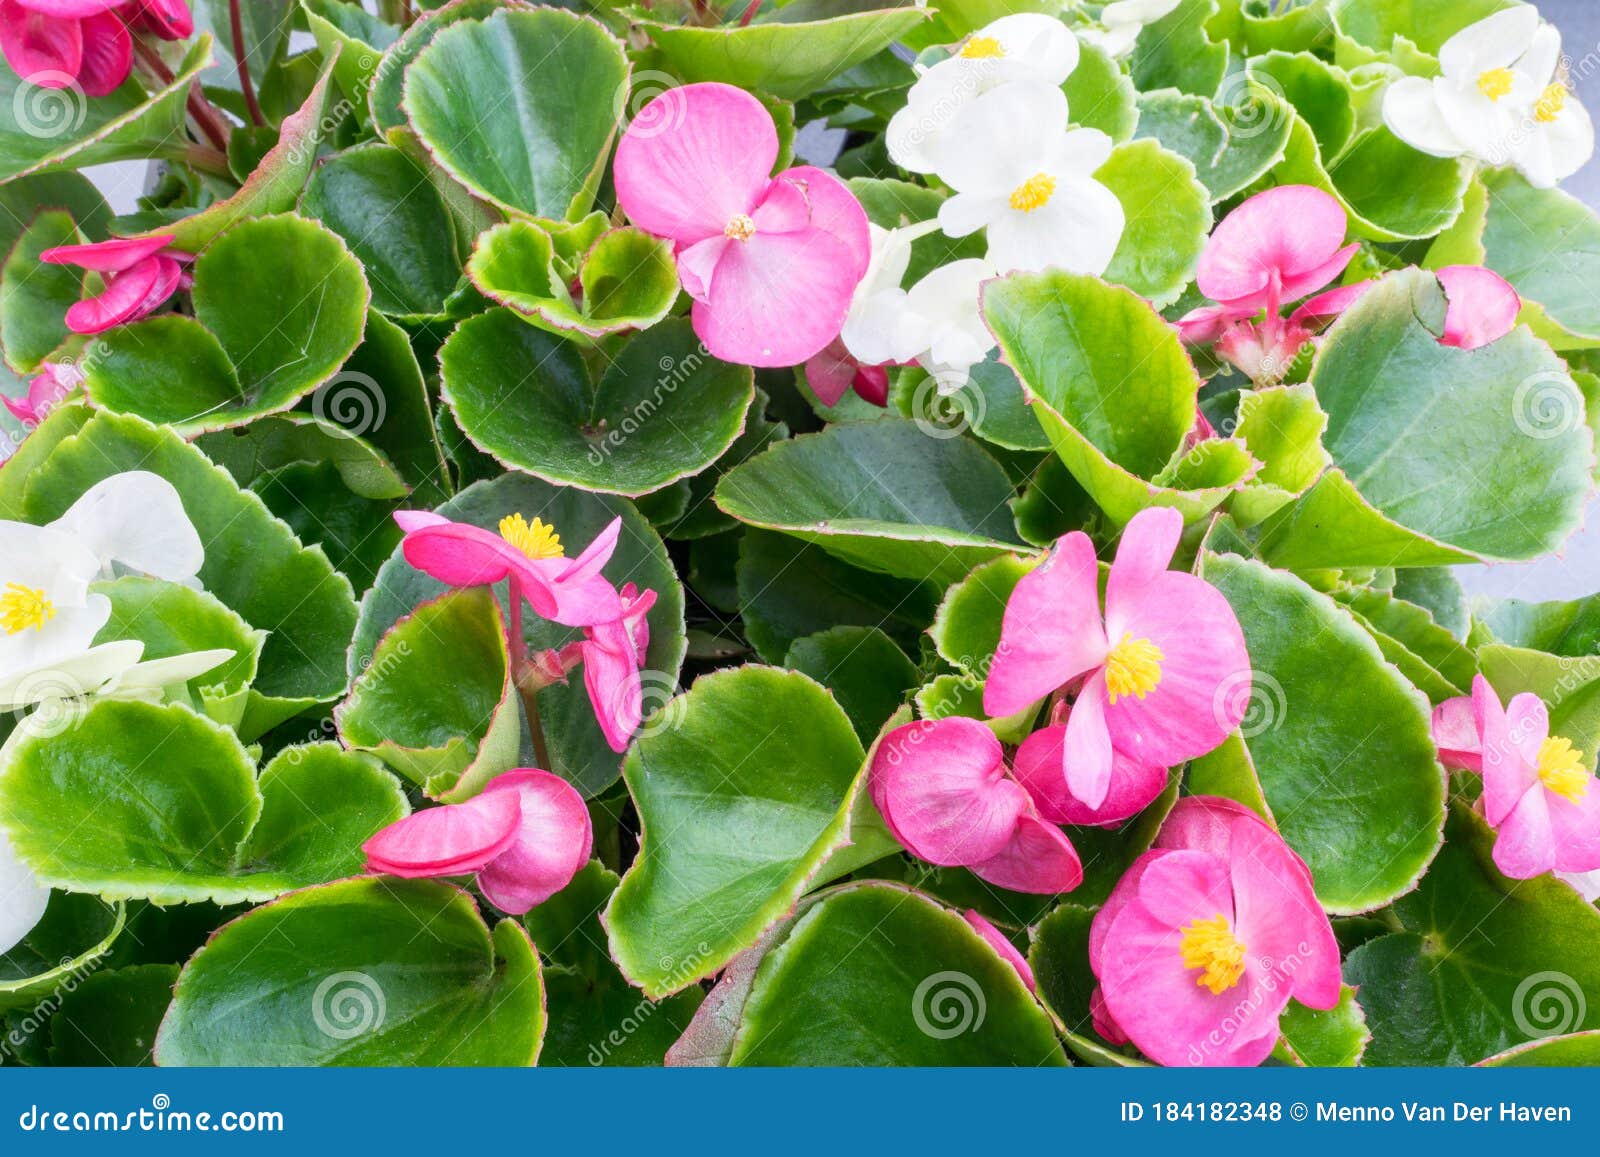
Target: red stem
209 120
245 87
749 13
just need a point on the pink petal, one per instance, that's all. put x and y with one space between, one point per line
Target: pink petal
1038 859
1524 844
1294 231
1148 543
1508 773
1483 306
1455 733
448 840
168 19
835 210
551 843
1575 829
71 8
611 657
697 264
410 520
1104 1023
1205 325
997 940
40 49
112 256
1038 767
831 372
1313 279
1277 915
1087 747
1205 670
778 298
1204 823
783 207
125 299
459 554
872 385
107 55
693 158
941 787
1051 631
1324 307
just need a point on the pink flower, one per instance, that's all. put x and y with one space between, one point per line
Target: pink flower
942 788
997 940
46 390
612 654
1204 940
1481 307
87 43
1538 793
1455 733
139 277
771 262
525 835
833 372
1038 767
1164 672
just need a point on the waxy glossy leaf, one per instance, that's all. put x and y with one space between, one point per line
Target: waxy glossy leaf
234 361
35 297
498 104
280 440
1177 52
1117 418
1168 215
1099 95
1484 964
112 1017
1059 957
1404 413
1324 1038
663 410
880 975
159 803
744 789
1230 146
388 85
1411 33
360 972
352 39
882 495
1544 242
868 675
71 938
1338 739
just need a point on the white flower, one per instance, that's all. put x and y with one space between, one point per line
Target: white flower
1123 21
22 898
1587 884
131 522
1023 46
1019 172
1500 99
944 319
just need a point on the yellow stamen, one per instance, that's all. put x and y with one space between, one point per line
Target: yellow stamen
740 228
1561 768
23 607
1496 83
537 541
982 48
1133 668
1033 193
1211 945
1550 103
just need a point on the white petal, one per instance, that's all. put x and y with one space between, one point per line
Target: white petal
993 143
1490 129
72 677
1411 110
1080 151
136 519
1494 42
933 101
1116 40
59 641
1551 152
966 213
1037 46
172 669
1543 56
38 556
1077 230
22 898
868 332
1586 883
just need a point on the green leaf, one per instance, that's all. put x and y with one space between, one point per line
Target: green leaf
1319 92
235 361
1099 95
69 941
1230 146
112 1017
360 972
394 221
627 279
743 793
1059 957
1402 411
355 533
663 410
1325 1038
1570 1050
22 198
881 495
1320 719
578 749
1282 427
497 104
271 443
880 975
1117 421
868 675
1411 33
381 395
35 297
253 562
1545 243
700 517
1483 964
1568 629
388 85
966 630
356 36
448 735
788 51
157 802
51 128
1177 52
1168 215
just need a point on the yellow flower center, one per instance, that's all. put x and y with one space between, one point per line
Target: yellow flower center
23 607
1496 83
1133 668
1561 768
740 227
982 48
1033 193
1550 103
1212 946
537 541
